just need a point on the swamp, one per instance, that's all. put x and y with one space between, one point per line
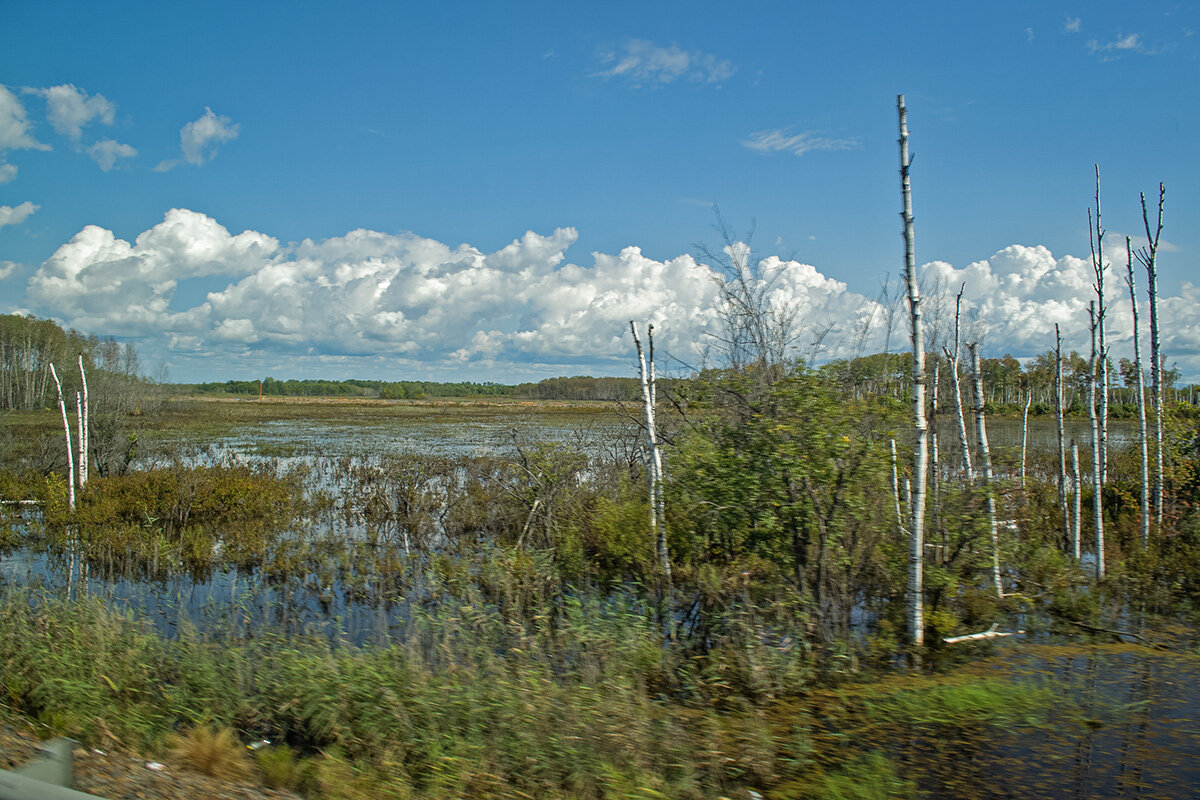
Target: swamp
463 599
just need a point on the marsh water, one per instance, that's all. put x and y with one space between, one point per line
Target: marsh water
1113 720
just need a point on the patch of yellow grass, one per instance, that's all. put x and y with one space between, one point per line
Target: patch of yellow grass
213 751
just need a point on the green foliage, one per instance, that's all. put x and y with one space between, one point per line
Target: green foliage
793 481
870 776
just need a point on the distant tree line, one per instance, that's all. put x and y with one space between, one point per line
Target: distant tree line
28 346
1006 382
574 388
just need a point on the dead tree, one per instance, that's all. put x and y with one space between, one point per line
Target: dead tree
1148 255
916 562
1062 442
985 460
1100 374
958 401
1025 435
1094 418
84 422
62 406
1144 497
657 507
1076 524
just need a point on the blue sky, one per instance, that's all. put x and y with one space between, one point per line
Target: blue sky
450 130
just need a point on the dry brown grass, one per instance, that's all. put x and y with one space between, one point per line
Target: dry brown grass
213 751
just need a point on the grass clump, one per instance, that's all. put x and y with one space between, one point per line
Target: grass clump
214 751
279 767
870 776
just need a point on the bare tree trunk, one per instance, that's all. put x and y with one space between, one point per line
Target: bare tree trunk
1077 522
84 436
916 563
1101 373
62 406
1097 479
985 459
896 490
1025 435
1144 498
1062 442
79 432
958 402
657 526
1149 258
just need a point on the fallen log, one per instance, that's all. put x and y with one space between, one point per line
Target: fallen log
990 633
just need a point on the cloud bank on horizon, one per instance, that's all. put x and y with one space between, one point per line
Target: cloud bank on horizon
400 305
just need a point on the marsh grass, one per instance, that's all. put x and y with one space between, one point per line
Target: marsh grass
212 751
468 704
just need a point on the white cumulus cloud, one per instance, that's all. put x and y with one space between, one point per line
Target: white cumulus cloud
14 125
643 63
8 172
200 138
107 152
69 109
371 300
15 215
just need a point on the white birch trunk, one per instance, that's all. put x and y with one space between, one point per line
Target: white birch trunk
79 415
1062 442
1144 497
1077 522
916 563
1101 373
85 446
1149 258
985 459
1025 435
62 406
1097 481
657 527
958 401
896 490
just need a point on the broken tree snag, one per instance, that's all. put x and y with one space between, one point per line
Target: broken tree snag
1144 496
1148 255
62 406
1078 521
958 401
654 468
1101 316
916 563
1062 451
1097 474
85 434
1025 434
985 459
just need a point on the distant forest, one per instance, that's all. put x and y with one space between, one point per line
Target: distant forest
28 346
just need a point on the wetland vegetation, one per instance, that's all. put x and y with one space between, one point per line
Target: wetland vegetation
462 598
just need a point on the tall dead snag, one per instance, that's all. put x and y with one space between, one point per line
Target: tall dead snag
985 460
84 421
1062 442
1144 497
1077 521
1094 418
1025 435
62 406
916 563
1148 255
958 401
1100 374
657 506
